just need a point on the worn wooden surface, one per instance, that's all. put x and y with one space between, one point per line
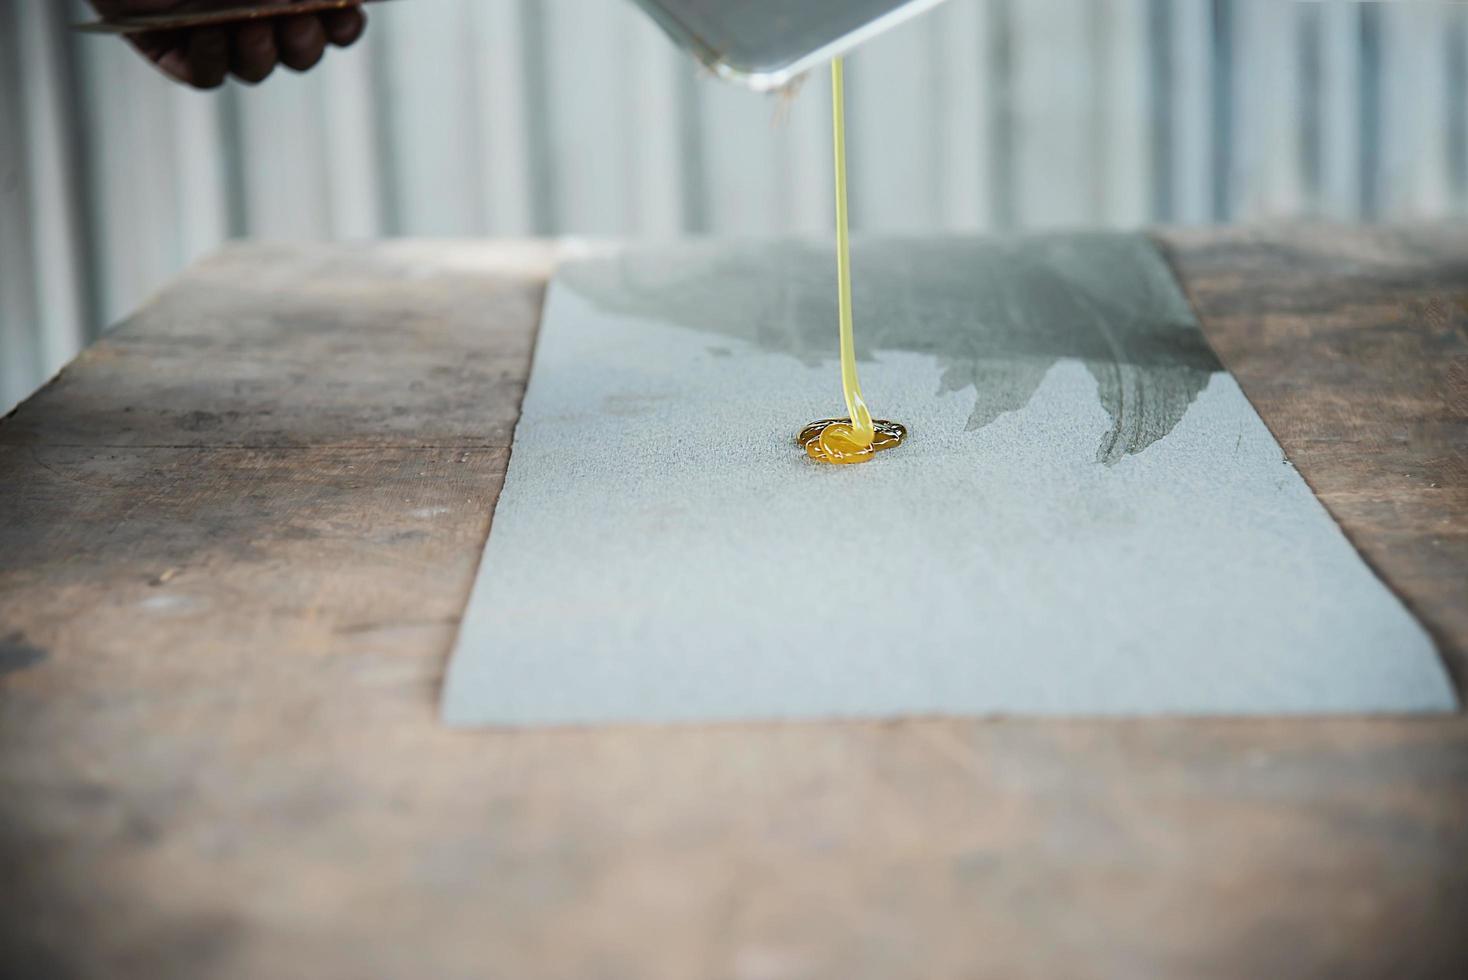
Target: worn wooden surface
1354 349
235 538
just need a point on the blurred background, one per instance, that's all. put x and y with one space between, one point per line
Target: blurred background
548 117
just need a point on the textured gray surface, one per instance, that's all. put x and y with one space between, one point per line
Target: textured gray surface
1089 518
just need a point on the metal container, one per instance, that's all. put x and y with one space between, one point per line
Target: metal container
766 44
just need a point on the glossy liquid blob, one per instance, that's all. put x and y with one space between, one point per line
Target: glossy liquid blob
856 438
828 440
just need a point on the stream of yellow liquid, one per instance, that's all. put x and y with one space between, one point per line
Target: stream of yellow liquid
858 437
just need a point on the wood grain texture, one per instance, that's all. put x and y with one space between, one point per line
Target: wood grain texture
1353 346
220 649
387 345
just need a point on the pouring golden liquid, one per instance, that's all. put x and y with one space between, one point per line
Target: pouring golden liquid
858 437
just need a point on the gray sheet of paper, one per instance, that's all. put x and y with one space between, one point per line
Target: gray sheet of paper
1089 517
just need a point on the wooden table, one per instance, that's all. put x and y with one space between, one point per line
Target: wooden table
236 537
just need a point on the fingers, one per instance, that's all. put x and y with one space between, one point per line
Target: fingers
207 57
301 40
155 44
174 62
343 27
203 57
253 53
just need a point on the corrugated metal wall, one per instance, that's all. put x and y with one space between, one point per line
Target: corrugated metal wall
514 117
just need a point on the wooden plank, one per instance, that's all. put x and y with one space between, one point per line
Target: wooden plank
310 345
1353 346
265 570
219 754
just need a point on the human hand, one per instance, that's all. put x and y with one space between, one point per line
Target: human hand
204 56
